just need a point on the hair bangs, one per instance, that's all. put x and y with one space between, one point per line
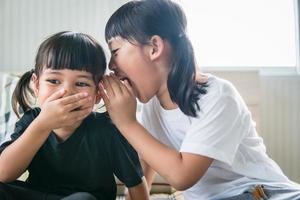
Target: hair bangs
68 54
125 22
73 51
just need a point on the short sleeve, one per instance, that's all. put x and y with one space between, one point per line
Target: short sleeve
219 129
20 127
125 161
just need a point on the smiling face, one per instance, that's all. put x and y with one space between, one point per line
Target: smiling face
73 81
135 63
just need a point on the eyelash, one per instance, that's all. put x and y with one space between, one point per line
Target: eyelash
114 52
53 81
82 84
79 84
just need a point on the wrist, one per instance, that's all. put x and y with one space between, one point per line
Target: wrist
41 125
128 126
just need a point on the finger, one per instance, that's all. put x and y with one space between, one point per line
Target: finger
129 88
103 94
80 114
107 86
89 104
56 95
81 104
74 98
119 83
114 83
124 85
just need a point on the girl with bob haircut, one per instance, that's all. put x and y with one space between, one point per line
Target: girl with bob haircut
69 151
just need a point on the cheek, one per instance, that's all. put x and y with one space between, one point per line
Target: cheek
144 84
92 92
43 95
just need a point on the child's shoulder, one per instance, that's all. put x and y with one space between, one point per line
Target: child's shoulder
219 89
102 117
34 111
101 121
31 114
104 125
220 85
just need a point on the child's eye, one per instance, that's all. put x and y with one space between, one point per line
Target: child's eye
53 81
114 52
82 84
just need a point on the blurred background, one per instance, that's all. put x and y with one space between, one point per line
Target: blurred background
252 43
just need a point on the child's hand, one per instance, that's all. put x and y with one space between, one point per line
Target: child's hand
58 111
119 100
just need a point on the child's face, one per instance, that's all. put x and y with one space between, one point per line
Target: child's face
132 62
73 81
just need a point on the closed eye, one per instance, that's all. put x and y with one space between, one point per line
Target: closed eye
114 52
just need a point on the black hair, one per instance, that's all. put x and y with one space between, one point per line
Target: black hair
63 50
139 21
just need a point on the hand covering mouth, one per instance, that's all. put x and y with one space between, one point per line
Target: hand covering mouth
76 109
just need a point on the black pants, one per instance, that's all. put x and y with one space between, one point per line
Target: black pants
19 190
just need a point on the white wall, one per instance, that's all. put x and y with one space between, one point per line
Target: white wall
26 23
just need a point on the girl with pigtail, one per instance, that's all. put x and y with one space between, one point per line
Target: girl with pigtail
195 129
69 151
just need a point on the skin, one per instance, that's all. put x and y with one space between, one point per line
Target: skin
66 97
181 170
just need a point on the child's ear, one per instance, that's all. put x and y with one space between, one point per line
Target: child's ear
35 84
157 47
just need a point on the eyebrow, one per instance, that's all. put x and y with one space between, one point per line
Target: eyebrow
85 76
54 72
78 76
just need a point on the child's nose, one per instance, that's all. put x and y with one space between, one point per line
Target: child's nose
70 90
112 65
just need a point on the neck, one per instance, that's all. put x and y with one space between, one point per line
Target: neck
64 133
164 65
164 98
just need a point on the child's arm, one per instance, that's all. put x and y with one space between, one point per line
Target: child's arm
126 166
181 170
56 112
139 192
15 159
149 174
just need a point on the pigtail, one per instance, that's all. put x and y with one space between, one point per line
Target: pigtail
21 95
187 91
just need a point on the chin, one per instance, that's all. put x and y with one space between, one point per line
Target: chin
143 99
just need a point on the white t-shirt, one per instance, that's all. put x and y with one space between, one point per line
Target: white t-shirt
223 131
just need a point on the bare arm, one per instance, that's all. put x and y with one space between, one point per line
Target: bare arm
139 192
15 159
56 112
181 170
149 174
